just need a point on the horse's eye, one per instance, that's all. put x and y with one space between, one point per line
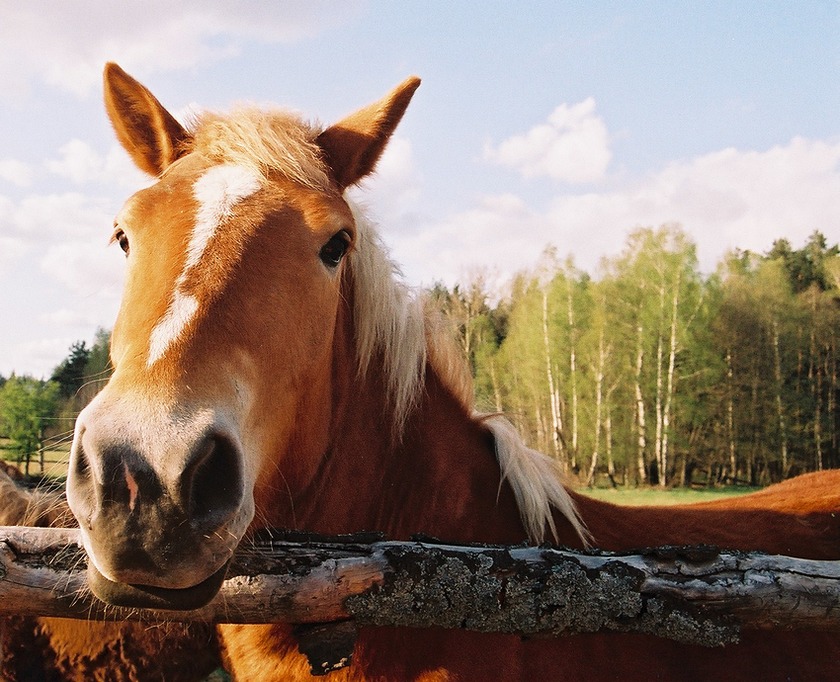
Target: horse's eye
122 239
333 251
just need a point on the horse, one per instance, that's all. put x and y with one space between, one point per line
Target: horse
36 507
57 649
273 370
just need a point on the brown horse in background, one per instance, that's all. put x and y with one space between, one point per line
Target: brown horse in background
271 371
56 649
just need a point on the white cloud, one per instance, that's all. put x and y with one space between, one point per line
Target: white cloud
572 146
86 267
66 317
78 162
725 199
16 172
64 216
495 234
7 211
82 164
38 358
66 43
395 188
54 256
11 250
71 233
12 245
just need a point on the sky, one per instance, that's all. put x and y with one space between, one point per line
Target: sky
537 123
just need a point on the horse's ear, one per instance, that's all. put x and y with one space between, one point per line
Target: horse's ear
149 133
353 146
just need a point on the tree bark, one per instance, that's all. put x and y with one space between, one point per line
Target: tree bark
553 395
658 403
780 412
598 371
641 426
497 393
730 414
831 373
693 595
670 389
570 313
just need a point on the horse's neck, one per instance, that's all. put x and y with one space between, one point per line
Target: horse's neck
346 470
449 477
440 478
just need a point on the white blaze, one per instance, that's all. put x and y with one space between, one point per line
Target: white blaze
217 192
181 310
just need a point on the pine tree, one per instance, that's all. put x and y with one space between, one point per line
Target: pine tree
70 374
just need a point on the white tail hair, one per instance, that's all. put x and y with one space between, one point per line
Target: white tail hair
536 481
390 320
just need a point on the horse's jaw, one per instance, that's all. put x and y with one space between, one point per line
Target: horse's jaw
163 496
152 597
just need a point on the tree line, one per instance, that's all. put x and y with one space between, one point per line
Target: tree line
36 412
654 373
650 372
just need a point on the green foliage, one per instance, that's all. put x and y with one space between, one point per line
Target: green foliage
98 368
82 374
651 372
70 374
479 330
808 266
654 372
26 407
31 410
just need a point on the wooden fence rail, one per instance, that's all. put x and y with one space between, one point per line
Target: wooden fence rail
693 594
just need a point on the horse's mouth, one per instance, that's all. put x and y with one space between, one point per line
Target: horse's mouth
151 597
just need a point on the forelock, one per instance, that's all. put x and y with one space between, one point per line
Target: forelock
267 141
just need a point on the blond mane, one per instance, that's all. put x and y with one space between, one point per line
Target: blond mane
267 142
392 323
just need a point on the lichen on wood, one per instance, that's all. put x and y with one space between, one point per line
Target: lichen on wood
697 595
527 591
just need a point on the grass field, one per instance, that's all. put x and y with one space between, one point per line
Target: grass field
671 496
55 460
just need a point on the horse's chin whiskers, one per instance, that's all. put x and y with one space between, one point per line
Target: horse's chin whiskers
288 490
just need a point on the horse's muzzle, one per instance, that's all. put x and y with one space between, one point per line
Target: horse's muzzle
151 597
162 501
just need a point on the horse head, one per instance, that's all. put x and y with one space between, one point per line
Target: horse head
224 345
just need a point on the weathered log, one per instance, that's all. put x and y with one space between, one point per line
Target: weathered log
698 595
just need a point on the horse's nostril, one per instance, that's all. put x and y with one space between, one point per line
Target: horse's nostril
211 486
80 490
80 464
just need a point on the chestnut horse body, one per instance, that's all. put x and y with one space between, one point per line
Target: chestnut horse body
270 370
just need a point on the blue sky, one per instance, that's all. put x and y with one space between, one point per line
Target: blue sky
537 123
